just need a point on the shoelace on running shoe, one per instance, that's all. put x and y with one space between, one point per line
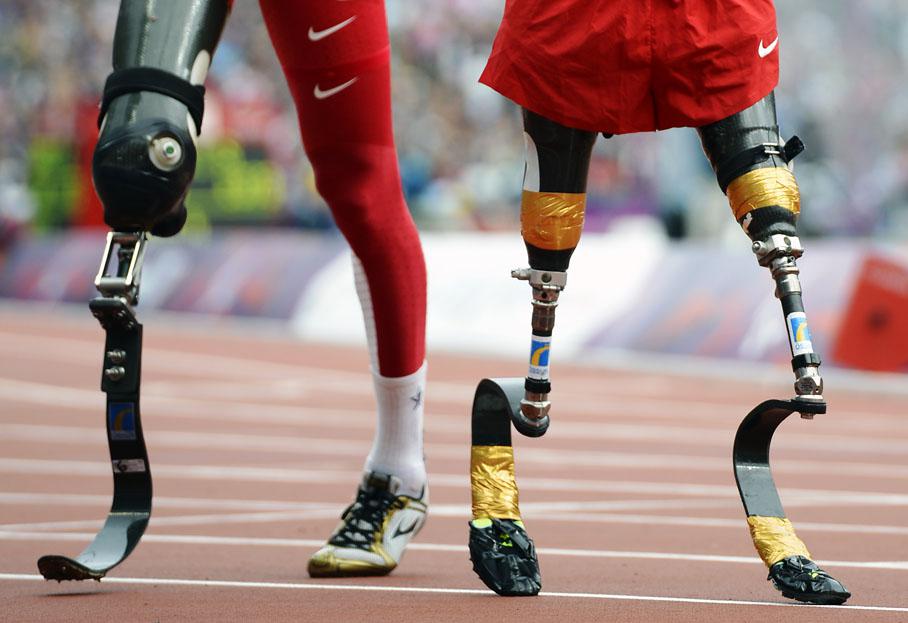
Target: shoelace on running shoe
363 518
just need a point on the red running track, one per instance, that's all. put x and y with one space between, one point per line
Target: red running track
256 443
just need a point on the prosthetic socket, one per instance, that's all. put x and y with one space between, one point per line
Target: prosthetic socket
551 216
151 111
752 166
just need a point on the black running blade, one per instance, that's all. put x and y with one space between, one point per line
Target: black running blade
751 453
118 537
500 399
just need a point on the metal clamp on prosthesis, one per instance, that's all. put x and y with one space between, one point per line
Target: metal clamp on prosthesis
779 253
120 380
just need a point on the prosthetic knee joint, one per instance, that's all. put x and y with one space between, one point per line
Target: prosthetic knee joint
151 112
752 165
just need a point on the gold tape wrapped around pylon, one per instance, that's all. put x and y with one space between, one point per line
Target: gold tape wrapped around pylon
492 480
552 221
761 188
775 539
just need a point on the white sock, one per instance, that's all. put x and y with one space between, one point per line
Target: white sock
398 447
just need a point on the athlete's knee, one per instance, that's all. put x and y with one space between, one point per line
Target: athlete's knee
752 167
151 113
361 185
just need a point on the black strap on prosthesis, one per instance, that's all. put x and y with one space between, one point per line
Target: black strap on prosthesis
135 79
736 166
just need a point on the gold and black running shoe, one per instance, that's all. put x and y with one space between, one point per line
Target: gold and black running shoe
373 531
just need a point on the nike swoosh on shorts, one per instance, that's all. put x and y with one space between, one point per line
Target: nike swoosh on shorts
763 52
320 95
318 35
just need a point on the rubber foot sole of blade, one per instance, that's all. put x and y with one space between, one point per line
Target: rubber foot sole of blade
61 568
822 599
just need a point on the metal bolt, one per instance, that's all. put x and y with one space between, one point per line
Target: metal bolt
116 356
165 152
546 277
115 373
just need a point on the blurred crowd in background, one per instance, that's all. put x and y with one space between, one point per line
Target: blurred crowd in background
843 90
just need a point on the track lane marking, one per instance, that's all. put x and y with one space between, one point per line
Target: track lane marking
459 481
356 383
192 539
537 511
449 591
49 434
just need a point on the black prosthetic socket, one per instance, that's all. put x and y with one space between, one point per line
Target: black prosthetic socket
747 141
145 158
564 162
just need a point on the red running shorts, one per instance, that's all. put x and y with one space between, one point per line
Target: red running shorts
623 66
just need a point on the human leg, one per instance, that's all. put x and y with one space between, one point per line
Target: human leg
336 60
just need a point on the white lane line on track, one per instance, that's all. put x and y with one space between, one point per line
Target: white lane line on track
537 511
191 406
304 379
191 539
209 504
22 577
460 481
49 434
193 520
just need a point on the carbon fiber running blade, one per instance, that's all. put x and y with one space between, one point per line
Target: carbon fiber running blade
751 454
118 537
502 397
131 507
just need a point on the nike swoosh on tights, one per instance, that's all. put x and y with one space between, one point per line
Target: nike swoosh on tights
318 35
320 95
766 51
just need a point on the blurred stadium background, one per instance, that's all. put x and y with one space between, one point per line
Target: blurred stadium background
460 147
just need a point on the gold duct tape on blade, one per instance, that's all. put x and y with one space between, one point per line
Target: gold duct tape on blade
492 480
552 221
775 539
761 188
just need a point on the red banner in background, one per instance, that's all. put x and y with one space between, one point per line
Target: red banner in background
873 334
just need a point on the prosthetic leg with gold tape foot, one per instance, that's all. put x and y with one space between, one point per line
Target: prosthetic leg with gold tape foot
752 166
131 507
502 553
551 216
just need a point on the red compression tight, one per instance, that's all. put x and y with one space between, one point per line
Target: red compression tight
335 55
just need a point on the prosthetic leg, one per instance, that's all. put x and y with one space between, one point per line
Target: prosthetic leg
552 210
151 114
120 381
751 164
